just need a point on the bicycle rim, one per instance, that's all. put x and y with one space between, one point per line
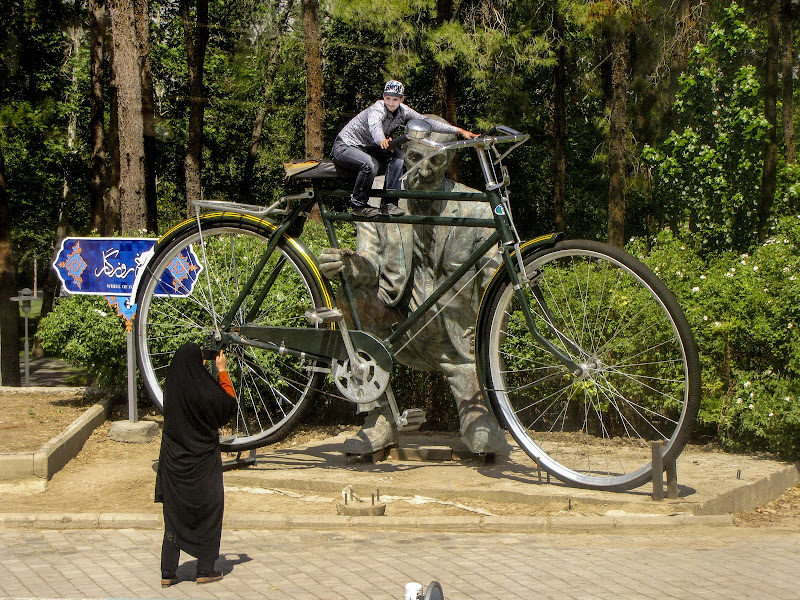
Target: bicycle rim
181 292
641 376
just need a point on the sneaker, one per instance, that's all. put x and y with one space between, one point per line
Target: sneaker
209 577
391 209
364 210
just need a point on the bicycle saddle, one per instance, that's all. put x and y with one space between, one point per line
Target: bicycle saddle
315 170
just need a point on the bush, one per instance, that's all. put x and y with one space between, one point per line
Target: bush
744 310
86 331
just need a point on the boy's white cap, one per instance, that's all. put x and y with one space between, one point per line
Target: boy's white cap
393 88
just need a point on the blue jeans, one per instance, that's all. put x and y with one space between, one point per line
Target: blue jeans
365 162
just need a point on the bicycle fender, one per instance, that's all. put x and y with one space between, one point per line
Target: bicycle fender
543 241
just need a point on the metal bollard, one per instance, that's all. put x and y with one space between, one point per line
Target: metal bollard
658 470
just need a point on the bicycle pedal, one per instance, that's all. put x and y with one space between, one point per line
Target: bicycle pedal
322 315
412 418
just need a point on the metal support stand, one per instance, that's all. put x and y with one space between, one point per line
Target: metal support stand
658 473
239 462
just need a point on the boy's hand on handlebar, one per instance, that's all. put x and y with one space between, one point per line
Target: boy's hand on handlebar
385 143
468 135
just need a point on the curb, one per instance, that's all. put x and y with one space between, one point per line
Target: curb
479 524
58 451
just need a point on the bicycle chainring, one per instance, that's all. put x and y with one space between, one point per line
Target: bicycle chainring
363 389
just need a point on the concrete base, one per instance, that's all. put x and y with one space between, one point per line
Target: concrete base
358 509
141 432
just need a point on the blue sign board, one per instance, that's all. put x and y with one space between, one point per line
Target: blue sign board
110 266
101 266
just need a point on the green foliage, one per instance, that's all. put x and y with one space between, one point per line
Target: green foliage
708 170
85 331
744 310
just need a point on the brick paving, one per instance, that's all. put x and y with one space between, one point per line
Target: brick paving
702 563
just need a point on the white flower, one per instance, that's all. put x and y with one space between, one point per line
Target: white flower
746 384
790 326
751 407
705 317
771 414
792 278
755 268
785 269
702 276
738 401
728 274
743 263
695 289
752 394
788 398
717 323
100 312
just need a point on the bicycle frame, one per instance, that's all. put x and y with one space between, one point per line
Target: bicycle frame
323 345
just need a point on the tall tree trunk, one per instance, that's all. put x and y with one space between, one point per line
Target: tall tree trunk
444 98
9 311
769 173
126 80
112 215
617 139
787 35
258 125
196 44
142 24
97 177
559 125
312 50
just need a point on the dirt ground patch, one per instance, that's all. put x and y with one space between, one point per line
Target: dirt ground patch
109 476
29 420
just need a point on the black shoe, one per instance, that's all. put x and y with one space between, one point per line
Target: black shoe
168 581
391 209
364 210
209 577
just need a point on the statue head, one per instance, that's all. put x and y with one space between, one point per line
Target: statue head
429 175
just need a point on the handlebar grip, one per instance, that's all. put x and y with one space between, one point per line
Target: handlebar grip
398 141
504 129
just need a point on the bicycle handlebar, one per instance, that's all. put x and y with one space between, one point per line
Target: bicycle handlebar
498 134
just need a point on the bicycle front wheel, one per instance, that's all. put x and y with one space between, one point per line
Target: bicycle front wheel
186 285
639 377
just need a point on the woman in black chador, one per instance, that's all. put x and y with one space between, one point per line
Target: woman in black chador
189 478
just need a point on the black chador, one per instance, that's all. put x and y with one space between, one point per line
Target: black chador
189 478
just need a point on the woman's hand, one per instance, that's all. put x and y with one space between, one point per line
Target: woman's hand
222 362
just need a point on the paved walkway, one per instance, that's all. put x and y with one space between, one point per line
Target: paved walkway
727 564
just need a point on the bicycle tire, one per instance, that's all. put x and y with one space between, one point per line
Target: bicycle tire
273 391
641 378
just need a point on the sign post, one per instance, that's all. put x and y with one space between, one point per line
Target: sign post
107 267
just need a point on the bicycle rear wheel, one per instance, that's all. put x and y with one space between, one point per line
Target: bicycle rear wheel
183 288
640 378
